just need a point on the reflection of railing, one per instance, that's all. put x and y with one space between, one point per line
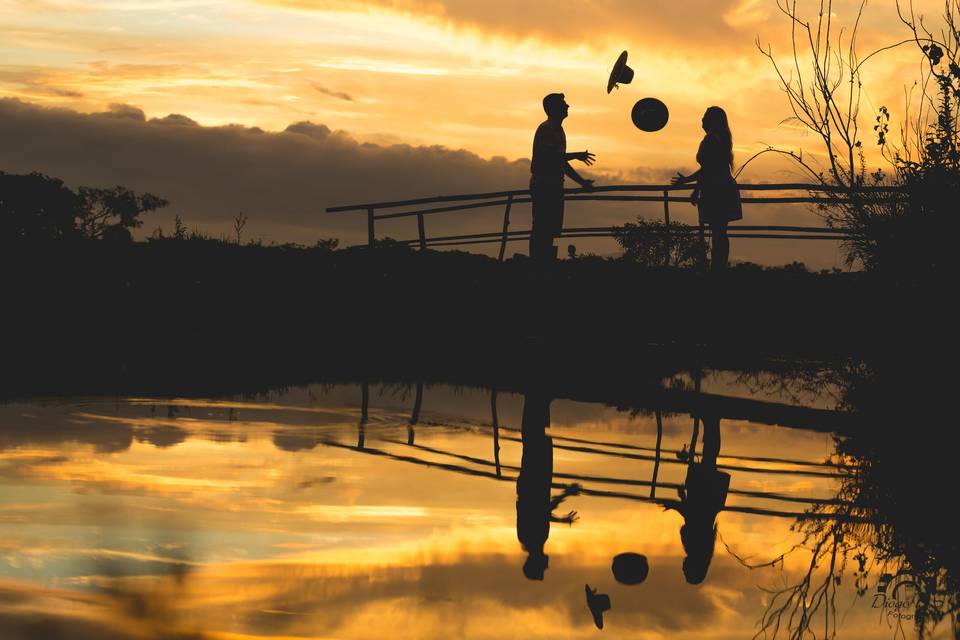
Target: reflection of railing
620 450
422 207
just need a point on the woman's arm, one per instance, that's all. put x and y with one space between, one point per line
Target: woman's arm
693 177
682 179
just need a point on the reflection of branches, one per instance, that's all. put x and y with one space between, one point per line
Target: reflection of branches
752 565
798 605
880 519
830 381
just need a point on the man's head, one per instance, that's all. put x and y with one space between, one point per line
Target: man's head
555 106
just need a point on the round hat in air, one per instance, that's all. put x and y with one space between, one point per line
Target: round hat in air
649 114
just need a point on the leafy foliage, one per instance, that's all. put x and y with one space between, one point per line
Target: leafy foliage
652 243
36 207
111 213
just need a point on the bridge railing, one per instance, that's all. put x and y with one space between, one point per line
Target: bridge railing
798 193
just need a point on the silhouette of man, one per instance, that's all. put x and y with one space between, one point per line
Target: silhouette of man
534 504
550 164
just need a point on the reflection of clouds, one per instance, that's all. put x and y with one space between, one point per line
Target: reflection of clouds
53 425
162 436
230 530
34 613
473 595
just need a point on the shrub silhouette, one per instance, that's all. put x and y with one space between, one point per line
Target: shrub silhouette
651 243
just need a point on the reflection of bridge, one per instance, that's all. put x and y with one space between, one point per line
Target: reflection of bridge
493 468
421 207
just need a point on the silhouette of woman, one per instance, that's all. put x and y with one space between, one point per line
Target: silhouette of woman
716 195
534 504
702 497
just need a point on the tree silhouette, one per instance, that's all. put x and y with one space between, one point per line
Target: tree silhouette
36 207
109 214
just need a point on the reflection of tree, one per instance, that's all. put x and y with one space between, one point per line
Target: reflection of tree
891 512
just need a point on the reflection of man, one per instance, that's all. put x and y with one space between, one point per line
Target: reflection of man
534 503
549 165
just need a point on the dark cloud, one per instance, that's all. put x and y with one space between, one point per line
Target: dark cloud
333 94
282 181
318 131
124 112
175 119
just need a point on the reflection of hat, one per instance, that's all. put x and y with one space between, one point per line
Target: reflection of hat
630 568
598 603
621 73
650 114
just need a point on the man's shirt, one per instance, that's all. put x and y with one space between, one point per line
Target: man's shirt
549 151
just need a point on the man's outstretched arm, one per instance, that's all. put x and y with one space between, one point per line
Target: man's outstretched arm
572 173
585 157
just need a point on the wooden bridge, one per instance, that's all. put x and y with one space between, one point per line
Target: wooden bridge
420 208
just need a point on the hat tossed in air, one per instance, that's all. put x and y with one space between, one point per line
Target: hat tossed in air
598 603
649 114
621 73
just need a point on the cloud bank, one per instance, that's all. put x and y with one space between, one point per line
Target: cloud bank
282 181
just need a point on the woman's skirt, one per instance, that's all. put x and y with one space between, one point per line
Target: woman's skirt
720 201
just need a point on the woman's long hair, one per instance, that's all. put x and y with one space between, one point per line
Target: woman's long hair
716 123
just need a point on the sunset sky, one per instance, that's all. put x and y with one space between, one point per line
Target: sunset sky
459 81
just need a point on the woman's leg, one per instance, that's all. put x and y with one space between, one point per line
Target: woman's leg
720 251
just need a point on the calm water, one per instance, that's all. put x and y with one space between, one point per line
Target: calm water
293 516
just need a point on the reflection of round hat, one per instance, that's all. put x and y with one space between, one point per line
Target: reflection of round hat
630 568
650 114
621 73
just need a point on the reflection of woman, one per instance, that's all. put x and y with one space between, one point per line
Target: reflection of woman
702 497
534 504
716 195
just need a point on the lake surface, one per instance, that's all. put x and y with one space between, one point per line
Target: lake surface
305 514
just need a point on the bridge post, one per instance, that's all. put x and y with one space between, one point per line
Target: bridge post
506 224
364 413
496 431
656 462
666 222
371 236
421 231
